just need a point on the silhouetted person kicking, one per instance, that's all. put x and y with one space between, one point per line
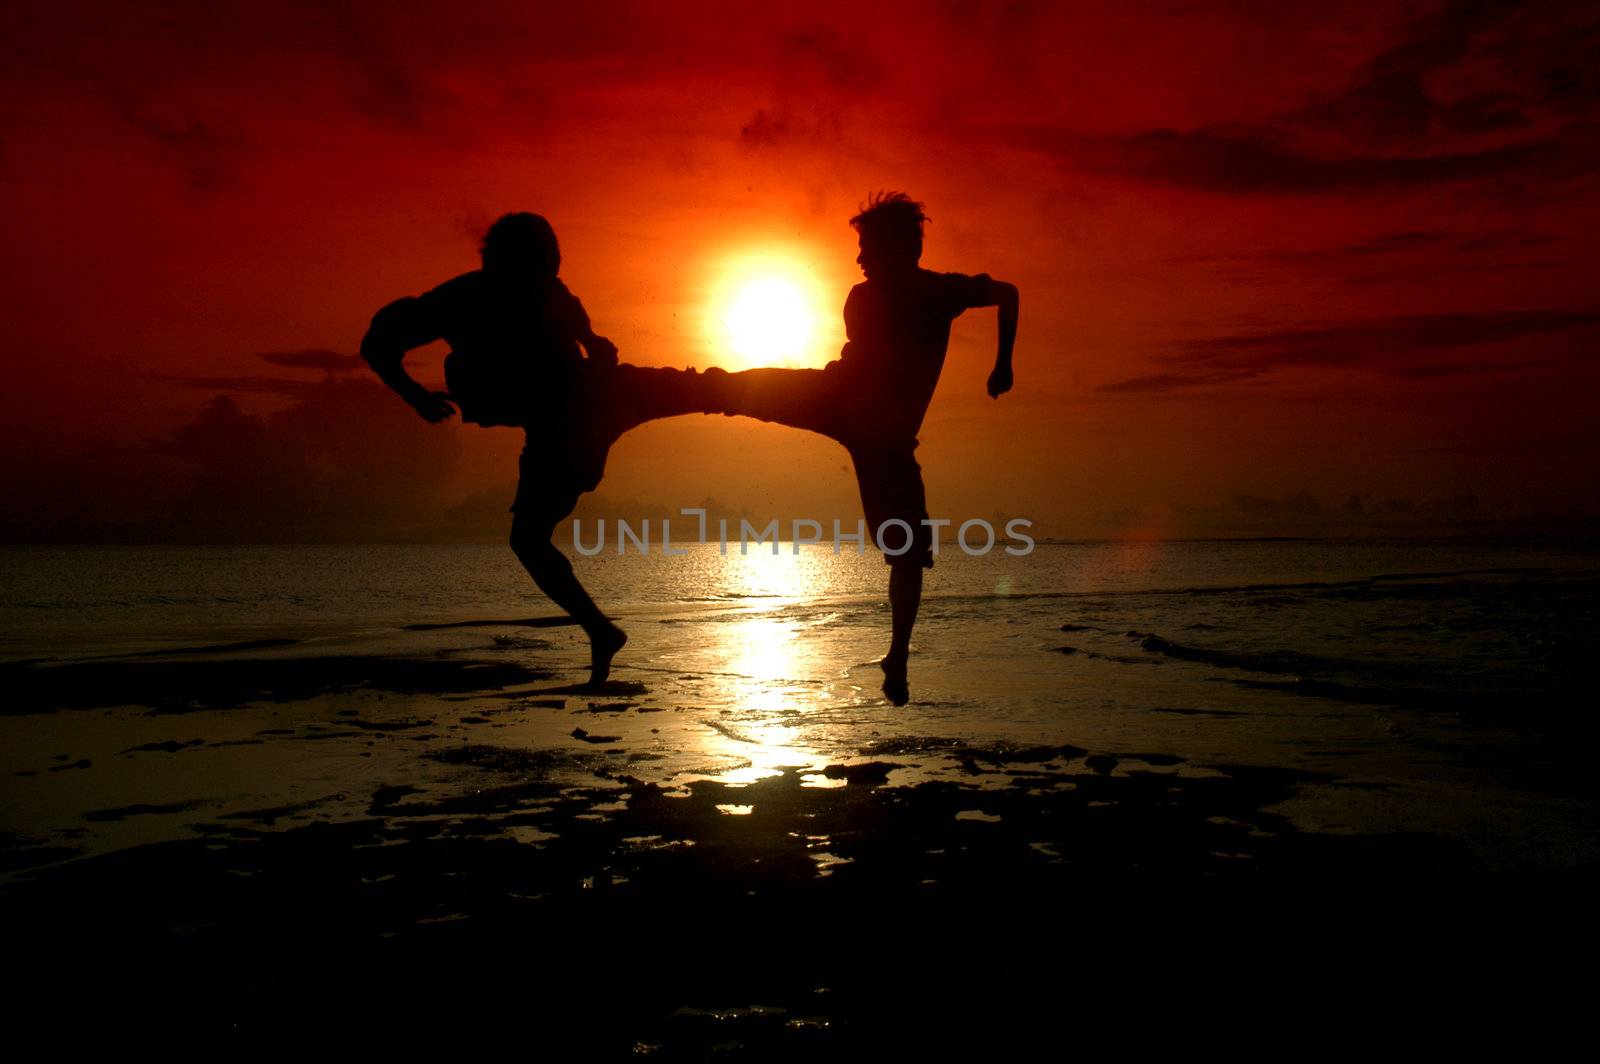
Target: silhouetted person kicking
873 397
515 333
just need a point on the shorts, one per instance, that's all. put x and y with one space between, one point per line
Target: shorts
890 481
880 437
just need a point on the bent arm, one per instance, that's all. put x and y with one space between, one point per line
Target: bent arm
395 330
1003 295
575 319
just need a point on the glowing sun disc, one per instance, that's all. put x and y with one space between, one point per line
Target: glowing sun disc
768 321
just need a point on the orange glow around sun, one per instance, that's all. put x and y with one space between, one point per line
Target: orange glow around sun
770 309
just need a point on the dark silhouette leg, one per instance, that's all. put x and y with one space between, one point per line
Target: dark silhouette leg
800 398
886 472
891 490
626 396
610 401
550 569
905 597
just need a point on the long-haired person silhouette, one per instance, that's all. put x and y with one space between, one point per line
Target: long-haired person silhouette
873 397
523 353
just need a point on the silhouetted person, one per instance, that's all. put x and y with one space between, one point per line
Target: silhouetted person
523 353
873 397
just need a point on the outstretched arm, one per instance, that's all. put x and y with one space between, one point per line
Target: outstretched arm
1004 296
396 329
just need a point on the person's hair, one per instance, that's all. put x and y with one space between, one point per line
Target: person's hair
893 217
521 241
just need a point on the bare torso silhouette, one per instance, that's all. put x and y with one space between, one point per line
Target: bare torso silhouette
873 398
897 331
516 360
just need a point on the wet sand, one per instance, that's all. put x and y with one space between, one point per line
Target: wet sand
254 843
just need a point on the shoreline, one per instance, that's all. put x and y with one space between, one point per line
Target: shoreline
281 836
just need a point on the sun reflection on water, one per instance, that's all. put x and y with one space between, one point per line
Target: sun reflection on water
769 660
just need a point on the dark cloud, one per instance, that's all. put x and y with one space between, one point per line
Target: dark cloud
1467 93
1560 50
813 75
779 126
1436 370
822 55
459 74
500 71
1376 260
1363 513
1378 342
767 129
1395 110
1260 160
248 385
1502 240
1403 346
1392 99
1168 382
377 82
315 358
1428 242
208 158
1300 503
347 460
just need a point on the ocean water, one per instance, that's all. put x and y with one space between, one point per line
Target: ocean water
1421 618
1433 686
1443 625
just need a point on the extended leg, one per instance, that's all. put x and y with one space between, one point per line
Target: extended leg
627 396
613 401
800 398
531 531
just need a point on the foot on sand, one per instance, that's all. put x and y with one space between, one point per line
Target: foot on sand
603 646
895 688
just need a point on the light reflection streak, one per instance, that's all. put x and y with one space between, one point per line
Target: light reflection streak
764 656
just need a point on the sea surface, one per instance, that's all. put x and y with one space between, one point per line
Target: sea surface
1422 617
1437 685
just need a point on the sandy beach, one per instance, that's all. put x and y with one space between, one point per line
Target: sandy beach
439 828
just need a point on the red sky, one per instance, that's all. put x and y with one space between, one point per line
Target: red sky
1273 258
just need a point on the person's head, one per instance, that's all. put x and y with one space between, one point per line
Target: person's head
521 243
890 225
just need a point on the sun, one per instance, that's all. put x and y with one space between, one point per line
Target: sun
768 321
766 310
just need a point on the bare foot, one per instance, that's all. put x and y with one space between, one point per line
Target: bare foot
603 646
895 688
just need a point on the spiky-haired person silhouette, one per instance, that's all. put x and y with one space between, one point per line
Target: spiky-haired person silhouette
873 397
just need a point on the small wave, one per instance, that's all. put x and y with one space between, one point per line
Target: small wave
1478 704
728 596
1387 582
1268 661
526 622
209 648
1118 658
